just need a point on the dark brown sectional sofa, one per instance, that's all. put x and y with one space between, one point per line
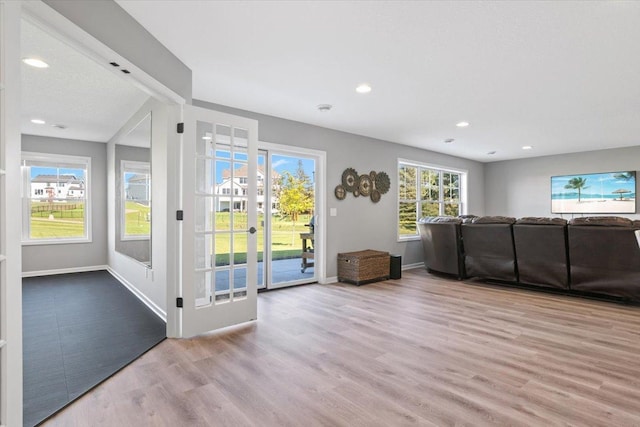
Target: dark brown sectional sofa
588 255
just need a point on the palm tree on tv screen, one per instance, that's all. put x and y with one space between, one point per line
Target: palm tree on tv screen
577 183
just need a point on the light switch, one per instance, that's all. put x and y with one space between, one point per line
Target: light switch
333 211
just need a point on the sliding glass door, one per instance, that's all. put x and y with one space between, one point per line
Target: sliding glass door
286 219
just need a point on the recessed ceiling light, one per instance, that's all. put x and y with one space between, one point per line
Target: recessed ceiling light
449 140
491 153
462 124
324 107
59 126
363 88
35 62
527 147
38 121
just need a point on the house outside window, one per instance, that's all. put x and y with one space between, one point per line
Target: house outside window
427 190
55 197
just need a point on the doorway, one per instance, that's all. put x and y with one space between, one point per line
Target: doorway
288 205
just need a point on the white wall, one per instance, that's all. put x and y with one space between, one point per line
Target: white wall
148 284
42 258
523 187
361 224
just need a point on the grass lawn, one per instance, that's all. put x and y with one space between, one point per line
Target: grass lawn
43 228
57 220
285 237
137 219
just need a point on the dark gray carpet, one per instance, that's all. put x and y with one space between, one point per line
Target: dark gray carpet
78 330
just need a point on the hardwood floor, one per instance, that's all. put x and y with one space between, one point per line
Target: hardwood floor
421 350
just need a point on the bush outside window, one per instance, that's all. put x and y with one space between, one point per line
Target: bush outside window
425 190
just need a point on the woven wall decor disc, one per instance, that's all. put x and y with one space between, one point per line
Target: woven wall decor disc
375 196
365 186
382 182
350 179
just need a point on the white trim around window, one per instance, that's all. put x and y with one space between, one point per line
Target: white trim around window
419 197
61 191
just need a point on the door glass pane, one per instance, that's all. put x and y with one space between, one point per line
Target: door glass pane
262 208
239 282
203 282
204 139
223 134
204 214
205 176
204 251
223 247
222 286
292 216
240 248
240 137
224 198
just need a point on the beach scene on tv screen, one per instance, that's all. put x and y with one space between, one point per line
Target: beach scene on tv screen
613 192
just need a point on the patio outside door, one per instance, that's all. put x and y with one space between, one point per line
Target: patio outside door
219 238
287 219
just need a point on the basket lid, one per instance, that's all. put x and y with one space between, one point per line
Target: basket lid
368 253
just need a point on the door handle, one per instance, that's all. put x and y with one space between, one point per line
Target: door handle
252 230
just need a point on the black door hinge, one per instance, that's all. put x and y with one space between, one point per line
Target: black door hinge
179 215
179 302
180 128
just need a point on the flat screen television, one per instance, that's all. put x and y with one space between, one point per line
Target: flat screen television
594 193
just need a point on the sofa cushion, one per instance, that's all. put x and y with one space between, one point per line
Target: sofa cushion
608 221
494 220
536 220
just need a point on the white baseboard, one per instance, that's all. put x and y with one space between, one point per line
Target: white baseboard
326 280
142 297
410 266
64 271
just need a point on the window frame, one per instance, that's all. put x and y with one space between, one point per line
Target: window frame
132 166
418 201
54 160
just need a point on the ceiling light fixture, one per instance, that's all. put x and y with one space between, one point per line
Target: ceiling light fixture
462 124
59 126
449 140
324 107
38 121
491 153
527 147
363 88
35 62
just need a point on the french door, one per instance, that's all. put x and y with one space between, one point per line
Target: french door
219 204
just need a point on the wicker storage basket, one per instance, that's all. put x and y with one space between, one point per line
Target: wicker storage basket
363 266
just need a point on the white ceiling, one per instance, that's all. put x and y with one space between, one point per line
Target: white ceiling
559 76
91 101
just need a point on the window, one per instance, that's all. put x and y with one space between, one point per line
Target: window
425 190
55 197
136 199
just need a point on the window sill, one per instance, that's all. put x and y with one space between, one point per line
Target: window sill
134 238
44 242
408 239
